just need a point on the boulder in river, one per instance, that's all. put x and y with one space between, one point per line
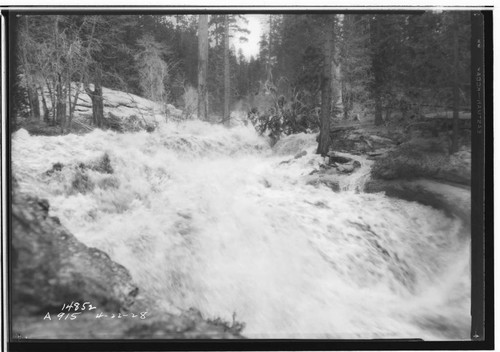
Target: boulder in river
319 178
423 159
300 155
342 164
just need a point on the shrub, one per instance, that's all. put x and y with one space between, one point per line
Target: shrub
284 117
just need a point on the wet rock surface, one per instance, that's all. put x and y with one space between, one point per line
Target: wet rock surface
362 139
412 164
188 325
323 179
454 200
419 160
50 267
123 112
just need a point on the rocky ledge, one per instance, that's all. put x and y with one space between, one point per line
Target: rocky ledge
453 199
414 164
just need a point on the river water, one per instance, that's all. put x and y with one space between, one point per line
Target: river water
212 218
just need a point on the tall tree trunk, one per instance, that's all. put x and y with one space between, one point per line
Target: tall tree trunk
98 105
326 88
70 109
97 100
46 112
226 71
456 100
30 102
336 84
268 69
61 105
377 69
216 34
378 110
202 67
60 101
34 102
345 86
52 102
75 101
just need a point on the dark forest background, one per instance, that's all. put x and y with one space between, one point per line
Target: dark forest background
310 68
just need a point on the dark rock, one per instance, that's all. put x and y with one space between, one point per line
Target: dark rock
81 182
319 204
103 165
454 200
334 158
365 140
52 267
376 153
109 182
44 204
381 142
188 325
300 155
113 122
326 180
423 158
349 167
362 139
55 168
342 164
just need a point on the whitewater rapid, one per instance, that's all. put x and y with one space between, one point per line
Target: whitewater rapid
212 218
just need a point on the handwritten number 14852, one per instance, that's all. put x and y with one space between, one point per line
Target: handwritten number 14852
77 306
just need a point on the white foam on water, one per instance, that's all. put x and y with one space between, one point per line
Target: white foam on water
208 217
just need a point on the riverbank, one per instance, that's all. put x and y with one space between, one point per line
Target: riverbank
413 164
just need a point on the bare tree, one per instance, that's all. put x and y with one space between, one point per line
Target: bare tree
153 70
26 48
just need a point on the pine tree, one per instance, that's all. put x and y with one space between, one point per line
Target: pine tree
226 116
326 91
202 67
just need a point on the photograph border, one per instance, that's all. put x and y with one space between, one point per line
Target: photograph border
482 331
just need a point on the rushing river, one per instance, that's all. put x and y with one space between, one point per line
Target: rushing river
212 218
